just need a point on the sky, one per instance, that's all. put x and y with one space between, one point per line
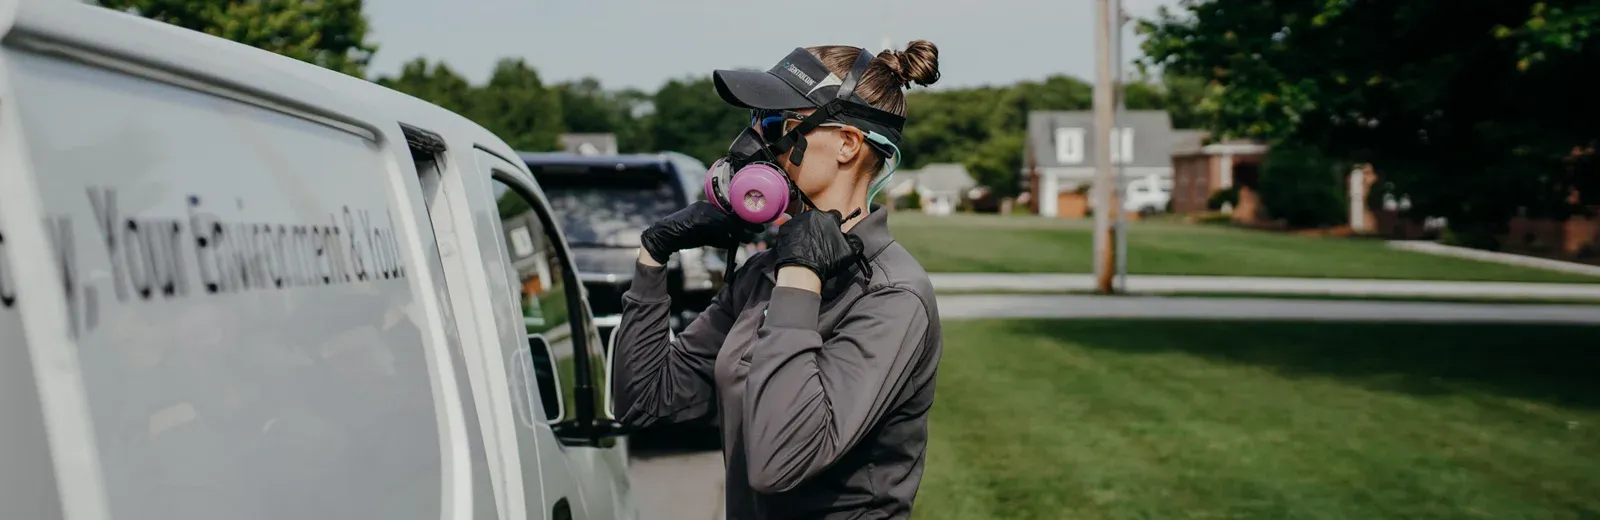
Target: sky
644 43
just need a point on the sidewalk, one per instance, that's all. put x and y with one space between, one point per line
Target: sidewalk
1155 284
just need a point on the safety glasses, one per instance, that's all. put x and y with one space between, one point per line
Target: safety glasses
772 124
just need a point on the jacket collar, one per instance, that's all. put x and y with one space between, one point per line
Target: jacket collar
875 237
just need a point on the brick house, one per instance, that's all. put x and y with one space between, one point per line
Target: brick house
1200 169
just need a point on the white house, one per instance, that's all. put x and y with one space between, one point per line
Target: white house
939 185
1059 152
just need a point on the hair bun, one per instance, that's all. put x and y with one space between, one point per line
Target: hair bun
919 63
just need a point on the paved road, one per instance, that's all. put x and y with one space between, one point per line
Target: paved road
1259 285
678 486
688 486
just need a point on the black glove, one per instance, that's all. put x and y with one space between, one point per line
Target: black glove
699 225
816 240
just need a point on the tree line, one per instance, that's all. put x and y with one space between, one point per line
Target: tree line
981 127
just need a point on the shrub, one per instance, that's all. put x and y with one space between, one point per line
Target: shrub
1304 188
1224 196
914 200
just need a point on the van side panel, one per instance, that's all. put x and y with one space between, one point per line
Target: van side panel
250 344
27 481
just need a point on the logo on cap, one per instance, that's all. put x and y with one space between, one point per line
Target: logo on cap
798 73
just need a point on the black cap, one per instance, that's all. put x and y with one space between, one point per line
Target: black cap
800 80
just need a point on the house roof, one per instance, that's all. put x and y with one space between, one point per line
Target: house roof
589 144
1153 137
939 177
1188 141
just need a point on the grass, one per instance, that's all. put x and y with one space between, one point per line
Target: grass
1165 419
981 243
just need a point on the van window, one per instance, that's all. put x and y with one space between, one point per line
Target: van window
538 276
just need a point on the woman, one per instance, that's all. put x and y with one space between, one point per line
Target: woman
819 355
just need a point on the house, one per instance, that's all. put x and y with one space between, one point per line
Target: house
1200 168
1058 156
940 186
589 144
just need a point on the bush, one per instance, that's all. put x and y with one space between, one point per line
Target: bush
1218 198
914 200
1304 188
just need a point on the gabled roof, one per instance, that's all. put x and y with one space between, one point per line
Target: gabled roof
1153 136
939 177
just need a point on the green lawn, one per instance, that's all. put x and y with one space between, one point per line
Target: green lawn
977 243
1160 419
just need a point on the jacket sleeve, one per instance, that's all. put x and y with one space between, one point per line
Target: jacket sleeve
808 401
659 377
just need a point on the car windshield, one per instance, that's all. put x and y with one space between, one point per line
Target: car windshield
609 208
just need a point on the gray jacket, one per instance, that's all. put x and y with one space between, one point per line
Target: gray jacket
824 400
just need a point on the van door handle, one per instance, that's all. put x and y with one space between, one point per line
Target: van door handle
562 510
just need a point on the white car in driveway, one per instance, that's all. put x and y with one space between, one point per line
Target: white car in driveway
1145 195
1148 195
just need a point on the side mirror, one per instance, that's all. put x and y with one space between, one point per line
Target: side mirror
537 374
611 378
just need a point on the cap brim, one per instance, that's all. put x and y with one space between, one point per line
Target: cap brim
758 89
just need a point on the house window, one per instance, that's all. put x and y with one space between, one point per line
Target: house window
1069 145
1070 149
1121 145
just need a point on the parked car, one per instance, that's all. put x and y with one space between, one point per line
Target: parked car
1146 195
238 285
605 202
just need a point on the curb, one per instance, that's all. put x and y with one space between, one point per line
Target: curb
1434 248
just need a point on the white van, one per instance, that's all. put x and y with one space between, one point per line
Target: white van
238 286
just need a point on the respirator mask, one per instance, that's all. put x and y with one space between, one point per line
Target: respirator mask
749 181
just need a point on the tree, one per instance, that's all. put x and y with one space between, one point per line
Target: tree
329 33
516 106
587 107
1467 107
689 117
1304 187
435 84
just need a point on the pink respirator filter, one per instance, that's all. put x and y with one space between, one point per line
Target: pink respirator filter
758 193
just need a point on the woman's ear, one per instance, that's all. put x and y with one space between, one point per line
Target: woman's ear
851 144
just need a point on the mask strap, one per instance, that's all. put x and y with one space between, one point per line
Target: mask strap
794 139
892 162
848 88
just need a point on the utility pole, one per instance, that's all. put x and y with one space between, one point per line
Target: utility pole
1120 237
1104 176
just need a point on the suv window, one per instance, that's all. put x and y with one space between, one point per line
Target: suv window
609 208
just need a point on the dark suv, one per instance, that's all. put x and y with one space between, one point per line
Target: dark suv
604 202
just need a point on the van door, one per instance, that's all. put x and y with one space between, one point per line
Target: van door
243 298
547 311
552 314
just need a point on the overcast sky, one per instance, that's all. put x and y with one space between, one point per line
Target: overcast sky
643 43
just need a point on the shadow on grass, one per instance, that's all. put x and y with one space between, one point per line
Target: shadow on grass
1552 364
